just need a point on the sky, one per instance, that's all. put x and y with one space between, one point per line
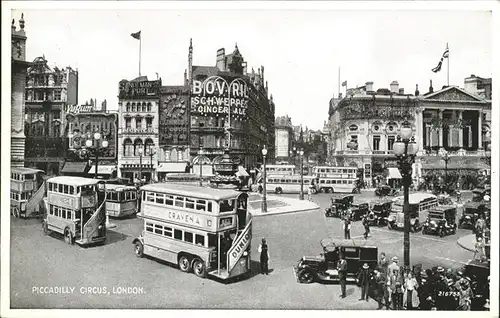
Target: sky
301 50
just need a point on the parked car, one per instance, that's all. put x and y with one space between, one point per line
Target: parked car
380 211
324 267
385 190
359 210
441 220
471 212
339 205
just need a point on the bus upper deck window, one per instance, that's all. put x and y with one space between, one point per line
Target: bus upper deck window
71 190
209 206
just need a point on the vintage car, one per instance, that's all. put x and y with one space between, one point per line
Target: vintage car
441 220
324 267
380 210
479 273
340 203
419 202
359 210
444 199
471 212
385 190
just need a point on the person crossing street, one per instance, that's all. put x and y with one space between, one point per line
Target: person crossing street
342 270
366 224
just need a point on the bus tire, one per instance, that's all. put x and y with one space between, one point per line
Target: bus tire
331 190
199 268
278 190
184 264
260 189
68 238
314 191
45 228
16 212
139 249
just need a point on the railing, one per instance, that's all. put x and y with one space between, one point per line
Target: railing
92 224
34 201
240 245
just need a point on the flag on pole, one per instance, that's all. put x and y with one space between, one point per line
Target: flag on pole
438 67
136 35
344 83
446 53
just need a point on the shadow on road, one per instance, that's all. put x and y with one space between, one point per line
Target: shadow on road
113 237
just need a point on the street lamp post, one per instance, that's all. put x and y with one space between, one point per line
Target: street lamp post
104 144
444 155
140 165
264 191
301 153
294 155
200 155
151 154
405 149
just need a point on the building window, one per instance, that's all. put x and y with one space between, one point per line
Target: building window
133 107
138 123
390 142
376 142
127 108
149 123
149 107
128 123
128 148
57 94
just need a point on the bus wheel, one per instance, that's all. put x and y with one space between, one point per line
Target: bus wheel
278 190
314 191
68 238
184 264
139 249
199 268
331 190
45 228
16 212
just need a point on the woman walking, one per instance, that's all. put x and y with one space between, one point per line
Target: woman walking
264 257
410 296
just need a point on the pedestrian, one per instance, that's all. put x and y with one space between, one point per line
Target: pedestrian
383 263
381 286
347 227
479 249
364 281
465 296
264 257
479 227
394 268
342 269
410 296
397 295
309 193
366 224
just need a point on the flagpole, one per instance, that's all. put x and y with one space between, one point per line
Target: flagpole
140 49
339 82
448 68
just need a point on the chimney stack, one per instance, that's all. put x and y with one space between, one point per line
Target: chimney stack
401 91
416 91
431 89
221 54
395 87
369 86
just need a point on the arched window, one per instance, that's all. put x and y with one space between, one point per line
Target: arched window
149 107
56 129
138 145
127 107
148 146
133 107
128 148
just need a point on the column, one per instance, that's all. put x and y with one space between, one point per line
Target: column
420 129
440 113
480 129
461 131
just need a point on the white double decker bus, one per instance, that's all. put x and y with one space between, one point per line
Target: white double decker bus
335 179
204 230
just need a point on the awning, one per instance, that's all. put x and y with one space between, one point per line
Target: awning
74 167
102 169
172 167
394 173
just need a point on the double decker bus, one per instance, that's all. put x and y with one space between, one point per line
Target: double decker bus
27 189
336 179
284 170
186 178
121 200
204 230
76 208
289 184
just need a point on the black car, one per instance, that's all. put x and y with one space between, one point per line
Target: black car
471 213
359 210
339 205
386 190
380 212
441 220
324 267
479 273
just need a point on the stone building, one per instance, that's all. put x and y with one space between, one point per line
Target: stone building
18 83
48 91
284 138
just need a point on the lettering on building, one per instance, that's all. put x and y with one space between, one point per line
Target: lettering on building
78 109
138 89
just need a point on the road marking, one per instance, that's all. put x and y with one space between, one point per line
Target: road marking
412 235
447 259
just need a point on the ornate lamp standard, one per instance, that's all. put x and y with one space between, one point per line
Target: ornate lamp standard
405 149
264 191
200 153
294 155
140 165
89 143
301 195
151 154
444 156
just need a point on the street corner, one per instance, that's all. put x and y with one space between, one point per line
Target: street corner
467 242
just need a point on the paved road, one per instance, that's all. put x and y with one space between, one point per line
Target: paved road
38 260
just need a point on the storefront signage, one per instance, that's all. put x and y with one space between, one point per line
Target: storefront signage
138 89
216 95
78 109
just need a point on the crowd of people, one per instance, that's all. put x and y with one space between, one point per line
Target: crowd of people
395 288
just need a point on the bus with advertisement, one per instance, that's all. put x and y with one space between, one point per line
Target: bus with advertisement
121 200
27 190
76 208
284 170
202 230
289 184
336 179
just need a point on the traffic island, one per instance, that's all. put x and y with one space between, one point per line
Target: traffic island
279 205
468 242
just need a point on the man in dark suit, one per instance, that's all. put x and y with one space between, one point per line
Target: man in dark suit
342 268
364 278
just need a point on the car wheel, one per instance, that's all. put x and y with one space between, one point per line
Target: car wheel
184 264
139 249
199 268
441 233
389 226
305 276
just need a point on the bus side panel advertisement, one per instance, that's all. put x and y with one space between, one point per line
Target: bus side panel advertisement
204 222
240 246
62 200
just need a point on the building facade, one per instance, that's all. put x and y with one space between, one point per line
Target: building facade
138 134
365 124
48 91
230 109
284 138
18 83
81 123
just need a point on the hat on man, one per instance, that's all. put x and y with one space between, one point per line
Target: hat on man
365 266
440 269
395 259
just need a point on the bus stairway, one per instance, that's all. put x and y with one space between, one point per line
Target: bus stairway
223 273
92 225
33 205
